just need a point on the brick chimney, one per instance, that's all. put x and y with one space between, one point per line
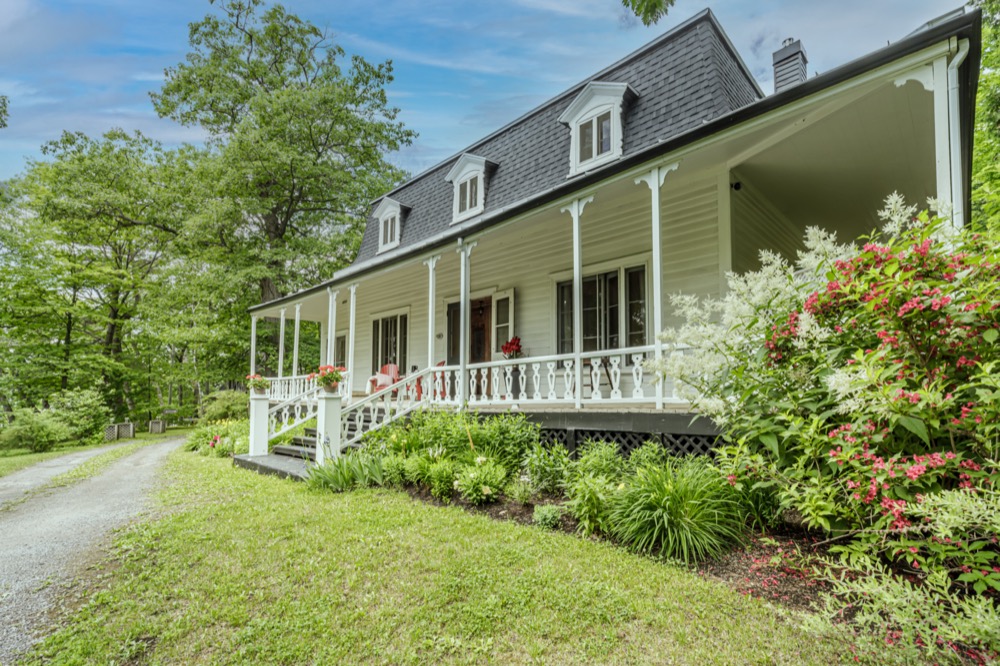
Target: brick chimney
789 65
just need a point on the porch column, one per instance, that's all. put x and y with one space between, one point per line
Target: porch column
253 344
575 209
281 346
464 250
331 323
942 147
350 346
430 263
295 340
654 179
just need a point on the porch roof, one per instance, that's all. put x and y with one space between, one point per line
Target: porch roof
966 26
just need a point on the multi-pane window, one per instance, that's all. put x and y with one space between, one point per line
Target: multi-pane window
389 232
468 194
595 137
389 339
603 318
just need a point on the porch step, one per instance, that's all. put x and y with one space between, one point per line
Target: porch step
292 451
285 467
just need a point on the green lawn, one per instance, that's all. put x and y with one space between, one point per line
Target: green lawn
245 569
14 460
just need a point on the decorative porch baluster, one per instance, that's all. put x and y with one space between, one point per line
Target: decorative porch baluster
536 381
522 380
595 379
568 377
508 382
637 360
552 380
616 378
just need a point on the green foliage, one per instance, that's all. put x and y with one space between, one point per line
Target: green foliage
520 491
648 11
222 439
650 454
224 406
481 481
589 495
598 459
760 504
337 475
37 431
417 469
394 469
548 516
682 510
506 438
546 467
441 479
83 412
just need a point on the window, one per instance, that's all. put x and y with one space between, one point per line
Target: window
595 137
469 178
468 194
603 318
389 214
340 351
595 122
503 320
389 342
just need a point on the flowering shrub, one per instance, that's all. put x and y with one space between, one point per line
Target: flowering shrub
481 481
221 439
858 384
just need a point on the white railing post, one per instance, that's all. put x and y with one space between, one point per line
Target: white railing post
331 324
259 405
464 250
281 346
253 344
430 262
328 426
655 180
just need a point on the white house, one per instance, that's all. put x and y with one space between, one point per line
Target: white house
571 226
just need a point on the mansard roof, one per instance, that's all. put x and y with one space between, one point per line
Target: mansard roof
683 79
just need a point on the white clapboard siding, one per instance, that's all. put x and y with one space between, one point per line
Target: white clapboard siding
690 219
758 224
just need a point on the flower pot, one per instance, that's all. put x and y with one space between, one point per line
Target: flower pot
260 391
331 388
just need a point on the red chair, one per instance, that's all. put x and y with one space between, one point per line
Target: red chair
387 375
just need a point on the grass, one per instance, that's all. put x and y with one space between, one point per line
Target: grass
14 460
246 569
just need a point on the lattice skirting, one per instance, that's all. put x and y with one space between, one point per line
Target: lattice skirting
629 441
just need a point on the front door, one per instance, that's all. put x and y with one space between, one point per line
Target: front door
480 334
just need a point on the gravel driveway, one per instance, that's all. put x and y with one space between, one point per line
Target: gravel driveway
45 540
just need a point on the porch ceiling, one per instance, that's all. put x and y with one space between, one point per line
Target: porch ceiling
837 172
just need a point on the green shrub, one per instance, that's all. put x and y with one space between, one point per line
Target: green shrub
589 495
441 479
548 516
760 504
598 459
224 406
394 469
520 491
546 467
417 469
336 474
481 481
682 510
650 454
367 468
506 438
222 439
37 431
83 412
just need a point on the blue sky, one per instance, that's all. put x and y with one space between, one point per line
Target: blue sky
462 69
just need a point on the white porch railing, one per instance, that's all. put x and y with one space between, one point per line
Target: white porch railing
292 411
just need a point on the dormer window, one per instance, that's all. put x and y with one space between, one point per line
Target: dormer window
469 178
389 214
595 123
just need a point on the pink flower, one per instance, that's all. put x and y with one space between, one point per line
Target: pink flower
915 471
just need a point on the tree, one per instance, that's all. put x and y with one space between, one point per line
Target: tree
3 111
986 150
300 144
648 11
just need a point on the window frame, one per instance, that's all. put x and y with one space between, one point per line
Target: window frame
596 99
389 214
622 266
402 339
466 169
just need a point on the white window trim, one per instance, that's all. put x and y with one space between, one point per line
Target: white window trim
378 316
500 295
386 210
466 168
595 99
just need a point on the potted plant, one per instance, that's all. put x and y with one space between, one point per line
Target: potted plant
329 377
258 384
512 350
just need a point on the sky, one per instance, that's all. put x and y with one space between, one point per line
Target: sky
462 69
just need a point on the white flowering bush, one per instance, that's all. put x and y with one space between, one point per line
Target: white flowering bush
858 383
